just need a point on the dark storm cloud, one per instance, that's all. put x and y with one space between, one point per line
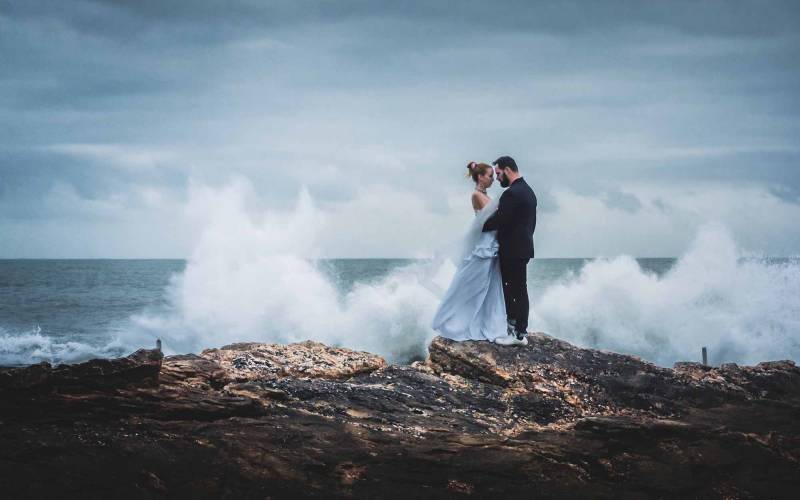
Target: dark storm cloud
622 201
120 18
662 205
109 96
790 193
29 176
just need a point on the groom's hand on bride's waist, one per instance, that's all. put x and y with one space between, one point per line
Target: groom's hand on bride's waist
501 217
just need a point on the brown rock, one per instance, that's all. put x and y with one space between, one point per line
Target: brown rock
140 368
311 421
253 361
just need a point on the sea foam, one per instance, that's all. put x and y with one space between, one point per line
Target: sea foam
252 277
33 346
743 310
249 279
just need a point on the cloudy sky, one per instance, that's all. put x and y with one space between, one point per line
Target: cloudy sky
635 122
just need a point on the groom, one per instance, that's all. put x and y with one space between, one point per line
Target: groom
514 221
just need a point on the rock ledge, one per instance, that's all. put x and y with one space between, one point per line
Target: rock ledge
475 419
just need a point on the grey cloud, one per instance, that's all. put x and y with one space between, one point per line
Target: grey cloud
28 174
587 96
622 201
766 168
788 193
662 205
738 18
547 203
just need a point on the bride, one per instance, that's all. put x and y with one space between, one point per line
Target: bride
473 307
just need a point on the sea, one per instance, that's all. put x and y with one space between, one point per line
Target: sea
53 309
743 309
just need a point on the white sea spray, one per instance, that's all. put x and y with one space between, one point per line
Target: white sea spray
744 310
34 346
252 277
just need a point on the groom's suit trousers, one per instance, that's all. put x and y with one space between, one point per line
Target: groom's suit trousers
515 291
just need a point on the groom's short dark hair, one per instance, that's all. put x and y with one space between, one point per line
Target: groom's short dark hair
506 161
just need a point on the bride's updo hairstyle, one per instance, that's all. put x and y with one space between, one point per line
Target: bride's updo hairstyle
475 170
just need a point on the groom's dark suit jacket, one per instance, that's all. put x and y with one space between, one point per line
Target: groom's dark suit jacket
515 221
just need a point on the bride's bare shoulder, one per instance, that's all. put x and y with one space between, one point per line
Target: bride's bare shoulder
479 200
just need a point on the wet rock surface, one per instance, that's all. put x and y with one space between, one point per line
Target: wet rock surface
309 421
253 361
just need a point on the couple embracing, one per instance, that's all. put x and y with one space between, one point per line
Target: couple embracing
488 297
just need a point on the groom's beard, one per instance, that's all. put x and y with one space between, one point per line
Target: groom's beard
504 181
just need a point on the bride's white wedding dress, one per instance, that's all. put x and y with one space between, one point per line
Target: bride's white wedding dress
473 307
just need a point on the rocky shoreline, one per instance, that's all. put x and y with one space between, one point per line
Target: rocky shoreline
549 420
